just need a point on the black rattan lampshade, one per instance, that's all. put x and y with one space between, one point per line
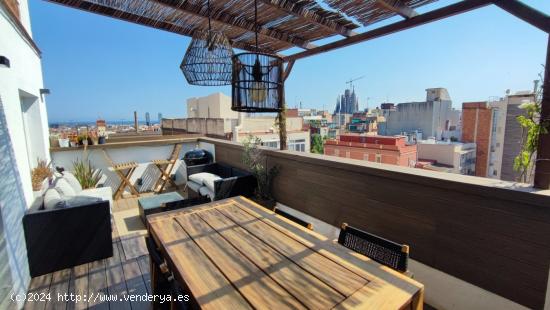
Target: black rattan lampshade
258 84
207 61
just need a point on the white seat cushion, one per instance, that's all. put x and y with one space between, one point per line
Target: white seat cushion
205 178
206 192
53 200
194 186
64 188
73 182
103 193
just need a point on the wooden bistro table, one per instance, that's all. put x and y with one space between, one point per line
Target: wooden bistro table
235 254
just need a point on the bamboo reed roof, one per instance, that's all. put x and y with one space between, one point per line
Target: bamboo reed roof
283 23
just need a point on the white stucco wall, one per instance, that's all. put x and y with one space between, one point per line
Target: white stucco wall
26 126
215 105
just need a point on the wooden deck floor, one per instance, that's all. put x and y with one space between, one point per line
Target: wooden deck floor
114 277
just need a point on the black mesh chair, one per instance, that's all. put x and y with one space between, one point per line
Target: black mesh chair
293 218
384 251
162 280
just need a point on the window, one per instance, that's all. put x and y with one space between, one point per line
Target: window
298 145
272 144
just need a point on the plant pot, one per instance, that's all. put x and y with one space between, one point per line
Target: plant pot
63 142
101 140
74 144
266 203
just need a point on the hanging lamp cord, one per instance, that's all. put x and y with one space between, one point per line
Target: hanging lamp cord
209 15
256 24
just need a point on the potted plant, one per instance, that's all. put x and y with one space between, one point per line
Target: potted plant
86 173
93 138
63 140
83 139
254 159
101 139
40 177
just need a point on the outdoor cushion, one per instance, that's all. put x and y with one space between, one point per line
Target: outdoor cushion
52 200
78 201
205 178
206 192
103 193
73 182
64 188
194 186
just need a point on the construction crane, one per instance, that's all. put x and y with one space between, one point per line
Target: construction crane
350 82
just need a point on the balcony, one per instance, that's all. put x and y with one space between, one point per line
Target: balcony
475 242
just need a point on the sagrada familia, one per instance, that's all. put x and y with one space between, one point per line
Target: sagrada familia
348 103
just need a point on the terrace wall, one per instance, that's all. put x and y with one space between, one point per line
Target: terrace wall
477 232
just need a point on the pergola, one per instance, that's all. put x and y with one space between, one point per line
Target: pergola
285 24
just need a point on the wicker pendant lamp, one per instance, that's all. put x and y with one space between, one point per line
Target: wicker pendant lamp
207 61
257 80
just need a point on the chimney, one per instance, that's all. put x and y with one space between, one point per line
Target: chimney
135 121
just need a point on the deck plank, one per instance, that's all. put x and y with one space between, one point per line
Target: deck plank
39 285
116 283
285 272
258 287
78 285
143 262
209 286
97 285
134 281
58 290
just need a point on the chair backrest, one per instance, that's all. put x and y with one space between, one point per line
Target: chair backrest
384 251
154 253
293 218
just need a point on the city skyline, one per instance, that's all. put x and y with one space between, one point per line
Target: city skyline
129 67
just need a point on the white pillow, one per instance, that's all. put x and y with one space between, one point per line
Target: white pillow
52 200
64 189
205 178
206 192
73 182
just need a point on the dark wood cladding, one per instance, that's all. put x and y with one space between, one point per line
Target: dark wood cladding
495 238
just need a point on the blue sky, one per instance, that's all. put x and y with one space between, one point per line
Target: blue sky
97 66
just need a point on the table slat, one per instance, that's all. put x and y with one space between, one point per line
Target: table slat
294 279
209 286
256 286
339 278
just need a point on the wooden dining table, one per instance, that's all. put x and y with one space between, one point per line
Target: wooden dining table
235 254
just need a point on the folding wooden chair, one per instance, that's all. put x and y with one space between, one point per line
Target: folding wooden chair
124 172
166 166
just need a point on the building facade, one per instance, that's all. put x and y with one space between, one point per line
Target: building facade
215 105
379 149
432 117
493 126
457 157
212 116
23 140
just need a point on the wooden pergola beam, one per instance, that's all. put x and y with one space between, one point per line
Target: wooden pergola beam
525 13
397 7
448 11
236 22
311 17
141 20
